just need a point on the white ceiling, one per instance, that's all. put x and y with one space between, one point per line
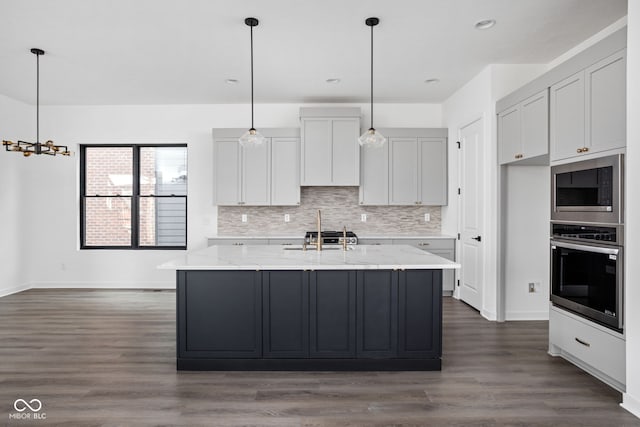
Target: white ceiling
182 51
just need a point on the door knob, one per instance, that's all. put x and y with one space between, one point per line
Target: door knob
478 238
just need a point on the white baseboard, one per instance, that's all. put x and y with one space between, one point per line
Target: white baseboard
527 315
102 285
489 315
631 404
14 289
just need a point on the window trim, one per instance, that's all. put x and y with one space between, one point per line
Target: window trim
135 198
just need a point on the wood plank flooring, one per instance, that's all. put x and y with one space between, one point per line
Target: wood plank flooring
107 358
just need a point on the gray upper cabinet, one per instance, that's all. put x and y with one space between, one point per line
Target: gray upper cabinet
523 130
567 117
242 175
255 173
374 175
330 153
410 169
404 173
226 163
606 103
588 110
433 171
285 171
256 176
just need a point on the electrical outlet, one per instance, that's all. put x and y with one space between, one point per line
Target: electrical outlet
244 217
287 218
532 287
363 217
427 217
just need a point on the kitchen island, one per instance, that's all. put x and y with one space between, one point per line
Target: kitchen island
273 308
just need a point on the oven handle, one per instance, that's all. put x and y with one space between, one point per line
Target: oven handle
586 248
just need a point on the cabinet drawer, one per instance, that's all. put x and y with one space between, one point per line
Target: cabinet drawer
426 244
589 343
367 241
286 242
237 242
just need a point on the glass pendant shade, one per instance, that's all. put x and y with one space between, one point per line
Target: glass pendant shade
372 138
251 137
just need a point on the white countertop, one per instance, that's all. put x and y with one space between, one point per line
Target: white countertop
263 257
360 236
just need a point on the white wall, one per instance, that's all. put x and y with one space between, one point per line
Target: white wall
17 121
53 182
526 216
631 399
473 101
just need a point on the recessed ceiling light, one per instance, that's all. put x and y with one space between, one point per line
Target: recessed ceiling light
429 81
485 24
231 81
333 81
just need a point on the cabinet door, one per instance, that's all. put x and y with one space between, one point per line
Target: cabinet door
567 117
332 305
256 174
227 172
374 175
221 314
534 113
606 103
285 321
509 134
432 153
285 171
403 171
316 152
377 308
345 153
420 314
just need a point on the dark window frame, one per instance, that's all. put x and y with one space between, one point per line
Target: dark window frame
135 198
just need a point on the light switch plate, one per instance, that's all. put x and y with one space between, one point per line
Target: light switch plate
244 217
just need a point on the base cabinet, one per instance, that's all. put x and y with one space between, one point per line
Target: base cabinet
594 348
309 320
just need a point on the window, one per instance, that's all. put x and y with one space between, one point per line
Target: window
133 196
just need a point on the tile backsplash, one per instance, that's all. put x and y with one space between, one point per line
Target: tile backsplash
340 207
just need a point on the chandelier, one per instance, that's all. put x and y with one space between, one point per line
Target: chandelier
29 148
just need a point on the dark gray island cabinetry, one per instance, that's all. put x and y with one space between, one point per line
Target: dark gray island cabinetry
309 320
266 308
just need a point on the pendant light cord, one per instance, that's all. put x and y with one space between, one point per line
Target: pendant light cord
252 77
372 77
37 98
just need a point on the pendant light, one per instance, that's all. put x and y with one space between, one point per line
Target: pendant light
251 137
29 148
372 138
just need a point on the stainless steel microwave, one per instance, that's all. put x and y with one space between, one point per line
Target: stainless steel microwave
589 191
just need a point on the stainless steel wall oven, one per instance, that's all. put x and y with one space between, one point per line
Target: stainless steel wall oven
587 271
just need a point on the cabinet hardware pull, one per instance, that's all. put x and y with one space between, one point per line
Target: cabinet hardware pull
579 150
584 343
585 149
423 244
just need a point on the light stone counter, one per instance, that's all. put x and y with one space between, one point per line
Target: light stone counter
263 257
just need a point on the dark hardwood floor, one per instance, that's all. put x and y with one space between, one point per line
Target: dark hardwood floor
107 358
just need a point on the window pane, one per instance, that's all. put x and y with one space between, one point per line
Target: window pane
108 171
107 221
163 171
163 221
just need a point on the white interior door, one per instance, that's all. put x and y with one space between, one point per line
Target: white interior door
471 208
